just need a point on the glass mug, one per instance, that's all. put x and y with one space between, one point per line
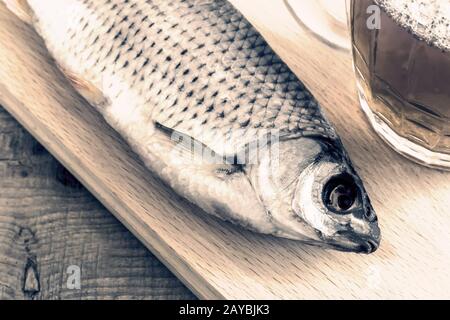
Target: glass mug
326 19
401 56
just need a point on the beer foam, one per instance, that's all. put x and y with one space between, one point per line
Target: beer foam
427 19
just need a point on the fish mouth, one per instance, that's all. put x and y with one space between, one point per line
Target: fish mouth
371 246
366 247
350 242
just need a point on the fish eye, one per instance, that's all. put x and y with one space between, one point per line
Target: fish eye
340 194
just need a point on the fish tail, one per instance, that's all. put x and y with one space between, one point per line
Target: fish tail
20 8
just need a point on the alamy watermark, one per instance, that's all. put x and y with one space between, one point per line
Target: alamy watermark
73 277
374 20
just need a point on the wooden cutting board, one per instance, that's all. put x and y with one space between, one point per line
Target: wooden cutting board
215 259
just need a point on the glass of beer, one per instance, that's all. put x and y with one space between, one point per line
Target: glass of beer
327 19
401 53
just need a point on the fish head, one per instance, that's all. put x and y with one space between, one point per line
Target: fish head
331 198
313 194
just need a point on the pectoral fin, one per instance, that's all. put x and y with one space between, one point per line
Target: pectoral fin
21 9
86 88
220 188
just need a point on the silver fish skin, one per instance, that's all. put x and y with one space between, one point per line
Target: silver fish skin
177 76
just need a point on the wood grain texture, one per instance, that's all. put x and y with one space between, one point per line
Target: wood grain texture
215 259
49 222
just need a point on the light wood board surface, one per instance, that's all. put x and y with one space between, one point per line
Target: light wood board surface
215 259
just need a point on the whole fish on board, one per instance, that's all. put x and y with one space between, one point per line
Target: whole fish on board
212 110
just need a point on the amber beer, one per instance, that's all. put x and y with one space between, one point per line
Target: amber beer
402 63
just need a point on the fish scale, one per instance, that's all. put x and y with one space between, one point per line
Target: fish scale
166 72
214 73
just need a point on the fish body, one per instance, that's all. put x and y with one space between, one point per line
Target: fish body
185 80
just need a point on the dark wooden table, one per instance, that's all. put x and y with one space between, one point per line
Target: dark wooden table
50 226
